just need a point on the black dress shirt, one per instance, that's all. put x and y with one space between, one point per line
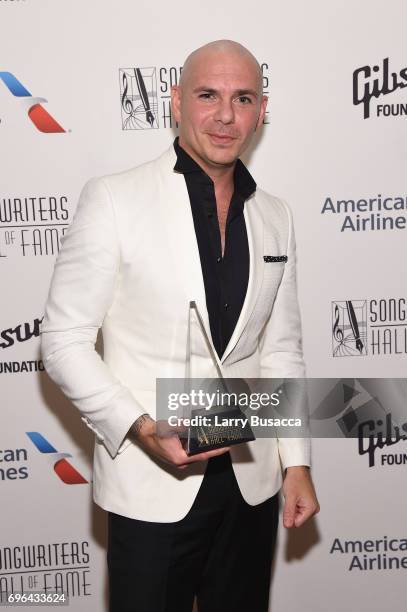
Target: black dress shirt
225 278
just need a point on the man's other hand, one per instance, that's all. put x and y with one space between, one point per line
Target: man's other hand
300 498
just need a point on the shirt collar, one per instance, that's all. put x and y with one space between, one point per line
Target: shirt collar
244 183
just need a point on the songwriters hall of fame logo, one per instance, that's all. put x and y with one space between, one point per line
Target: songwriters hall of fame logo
139 101
145 96
380 323
349 328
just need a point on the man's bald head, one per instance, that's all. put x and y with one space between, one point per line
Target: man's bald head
218 104
221 48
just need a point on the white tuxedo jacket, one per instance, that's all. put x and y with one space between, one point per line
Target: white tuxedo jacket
130 264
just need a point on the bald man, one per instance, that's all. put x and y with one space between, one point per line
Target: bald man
190 226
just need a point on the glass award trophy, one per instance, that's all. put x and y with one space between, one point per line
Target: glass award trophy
217 421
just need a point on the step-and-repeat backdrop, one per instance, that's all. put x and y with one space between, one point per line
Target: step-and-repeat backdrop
333 145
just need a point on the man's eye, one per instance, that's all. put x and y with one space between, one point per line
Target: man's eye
206 95
244 100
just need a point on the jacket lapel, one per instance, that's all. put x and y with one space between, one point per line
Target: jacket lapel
184 246
182 238
255 231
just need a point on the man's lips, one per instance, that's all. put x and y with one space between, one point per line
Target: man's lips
221 138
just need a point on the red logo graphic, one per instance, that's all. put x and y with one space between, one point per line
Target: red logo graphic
42 120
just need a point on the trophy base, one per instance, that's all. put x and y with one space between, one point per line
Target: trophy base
221 427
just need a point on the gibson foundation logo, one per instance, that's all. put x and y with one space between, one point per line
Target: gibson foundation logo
370 410
18 334
377 327
145 95
375 82
382 433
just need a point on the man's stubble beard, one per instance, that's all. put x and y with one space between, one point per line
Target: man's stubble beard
226 162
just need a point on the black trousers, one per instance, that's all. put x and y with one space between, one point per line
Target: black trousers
221 551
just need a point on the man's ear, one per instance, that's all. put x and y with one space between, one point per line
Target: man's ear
176 102
262 114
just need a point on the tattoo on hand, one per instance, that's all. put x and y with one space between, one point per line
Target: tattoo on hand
138 424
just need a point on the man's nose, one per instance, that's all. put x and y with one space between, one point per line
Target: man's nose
225 111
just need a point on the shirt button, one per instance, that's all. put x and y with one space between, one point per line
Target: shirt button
226 306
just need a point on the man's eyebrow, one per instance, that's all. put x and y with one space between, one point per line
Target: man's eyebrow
237 92
245 92
203 88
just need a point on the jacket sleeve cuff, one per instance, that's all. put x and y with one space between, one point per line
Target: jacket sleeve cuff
294 451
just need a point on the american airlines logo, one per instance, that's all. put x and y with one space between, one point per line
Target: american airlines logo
43 121
62 468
